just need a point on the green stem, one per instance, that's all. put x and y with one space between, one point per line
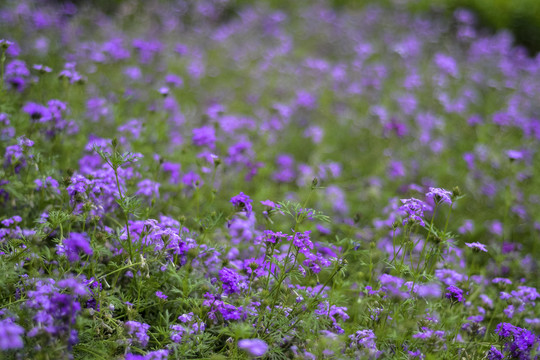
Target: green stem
316 296
126 214
120 269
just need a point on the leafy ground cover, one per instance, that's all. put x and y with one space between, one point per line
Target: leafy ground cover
182 182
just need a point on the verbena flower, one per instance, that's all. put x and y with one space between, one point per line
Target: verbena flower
494 354
255 347
518 342
364 339
74 245
302 241
414 210
161 295
10 335
242 202
440 196
233 282
476 246
455 294
138 332
204 136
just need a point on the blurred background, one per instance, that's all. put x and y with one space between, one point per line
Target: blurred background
520 17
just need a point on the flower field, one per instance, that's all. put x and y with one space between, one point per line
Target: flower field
196 180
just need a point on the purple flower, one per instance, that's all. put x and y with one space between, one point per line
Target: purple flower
454 293
494 354
192 179
446 64
514 154
396 169
476 246
499 280
74 245
232 281
10 335
138 331
427 333
204 136
153 355
161 295
174 80
242 202
302 241
364 339
177 331
185 318
269 204
519 342
440 195
273 237
148 188
255 347
414 209
37 112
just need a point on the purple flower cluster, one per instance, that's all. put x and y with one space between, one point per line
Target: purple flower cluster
364 340
141 236
233 283
138 332
454 294
519 342
74 245
440 196
10 335
242 202
255 347
414 210
55 312
476 246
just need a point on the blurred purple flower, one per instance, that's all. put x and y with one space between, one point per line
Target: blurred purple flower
476 246
255 347
10 335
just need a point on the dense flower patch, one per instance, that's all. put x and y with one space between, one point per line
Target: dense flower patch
179 181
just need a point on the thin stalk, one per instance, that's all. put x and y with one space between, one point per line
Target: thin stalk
126 215
315 297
